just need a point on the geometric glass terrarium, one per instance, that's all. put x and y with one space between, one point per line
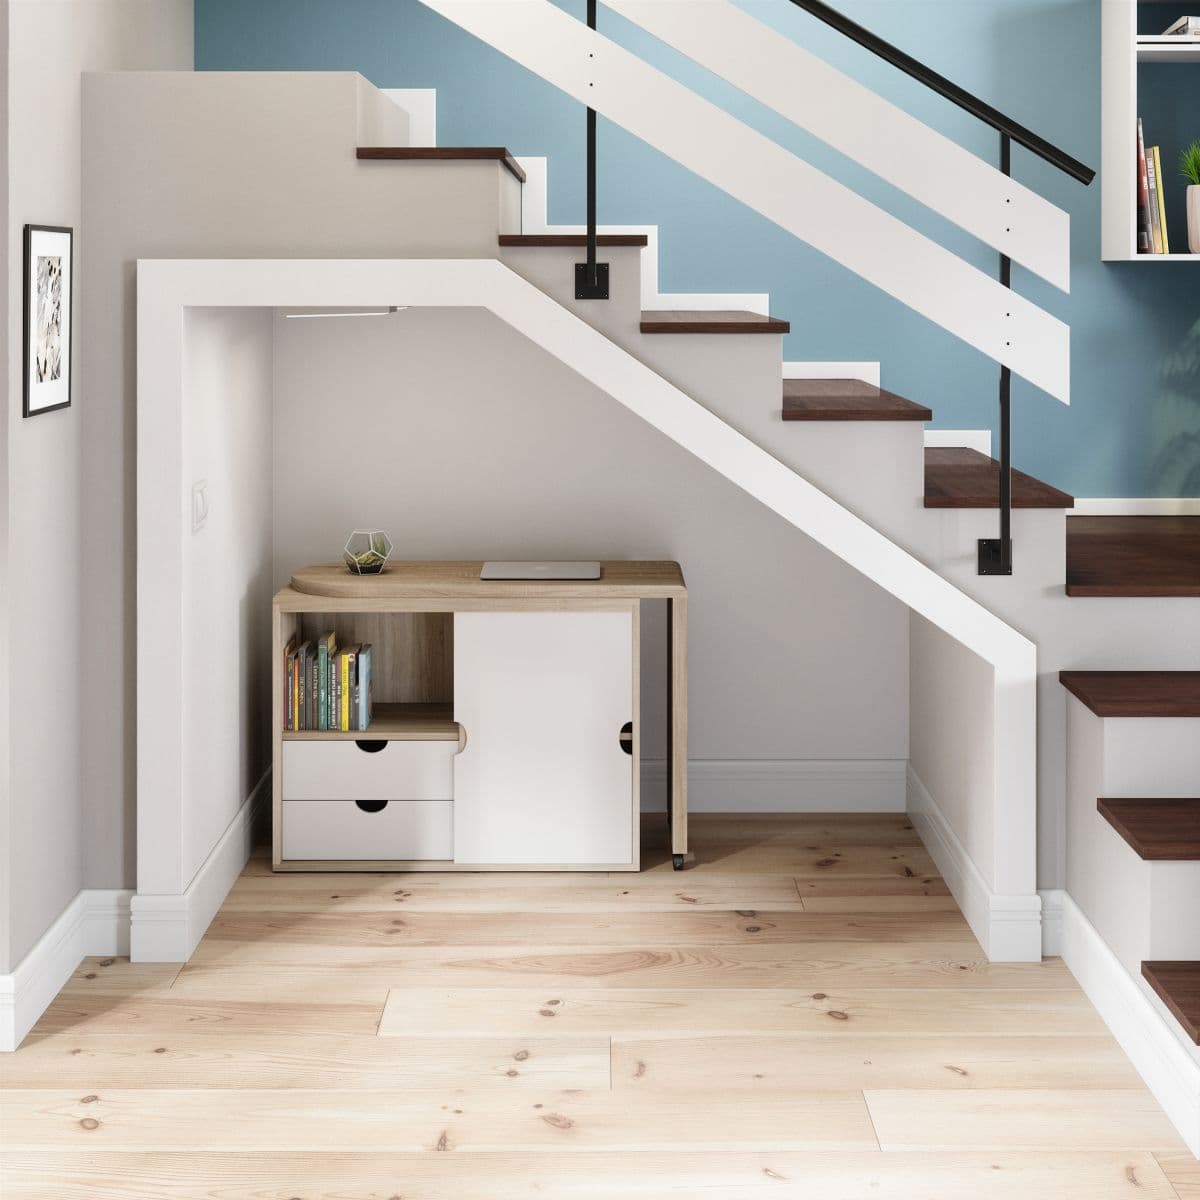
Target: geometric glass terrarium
366 552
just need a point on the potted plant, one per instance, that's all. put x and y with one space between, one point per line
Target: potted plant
367 551
1189 168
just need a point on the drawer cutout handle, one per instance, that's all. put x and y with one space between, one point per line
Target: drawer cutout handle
369 747
371 806
625 737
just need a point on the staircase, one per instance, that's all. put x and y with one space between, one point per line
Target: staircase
1086 781
1122 747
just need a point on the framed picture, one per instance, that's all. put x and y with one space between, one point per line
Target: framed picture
49 269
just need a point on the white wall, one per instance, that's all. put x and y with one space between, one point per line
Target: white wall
227 392
952 737
49 44
463 440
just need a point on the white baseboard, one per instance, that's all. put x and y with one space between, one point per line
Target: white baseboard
1166 1064
94 923
868 372
972 439
1009 928
782 786
1162 506
168 928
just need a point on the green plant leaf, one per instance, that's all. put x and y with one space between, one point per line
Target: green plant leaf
1189 163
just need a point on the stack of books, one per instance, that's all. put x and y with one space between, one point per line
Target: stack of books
328 687
1151 207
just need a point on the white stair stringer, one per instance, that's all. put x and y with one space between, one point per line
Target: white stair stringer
534 220
165 287
775 183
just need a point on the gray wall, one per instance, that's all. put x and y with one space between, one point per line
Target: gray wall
267 168
464 440
48 46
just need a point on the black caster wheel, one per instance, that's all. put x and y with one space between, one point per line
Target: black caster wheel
677 861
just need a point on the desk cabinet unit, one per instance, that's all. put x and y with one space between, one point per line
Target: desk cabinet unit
505 732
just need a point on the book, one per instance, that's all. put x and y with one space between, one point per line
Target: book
1159 201
1156 239
1184 27
326 648
364 687
289 658
302 686
1143 196
347 660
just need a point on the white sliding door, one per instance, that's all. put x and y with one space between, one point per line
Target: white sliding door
544 779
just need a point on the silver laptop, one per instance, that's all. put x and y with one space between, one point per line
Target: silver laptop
540 570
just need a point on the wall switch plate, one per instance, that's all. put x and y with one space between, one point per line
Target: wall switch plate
199 504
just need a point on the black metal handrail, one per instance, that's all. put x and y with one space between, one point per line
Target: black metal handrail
950 90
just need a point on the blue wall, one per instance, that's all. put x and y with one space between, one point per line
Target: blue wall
1134 425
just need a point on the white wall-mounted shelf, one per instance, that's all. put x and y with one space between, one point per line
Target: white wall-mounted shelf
1168 49
1123 50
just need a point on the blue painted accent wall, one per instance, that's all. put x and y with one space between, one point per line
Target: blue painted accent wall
1133 428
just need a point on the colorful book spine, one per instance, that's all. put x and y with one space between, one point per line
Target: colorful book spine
365 657
1156 239
1161 201
1144 245
289 659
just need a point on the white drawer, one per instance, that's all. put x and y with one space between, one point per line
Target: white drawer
316 770
340 830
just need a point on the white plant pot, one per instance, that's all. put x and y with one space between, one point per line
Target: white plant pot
1193 218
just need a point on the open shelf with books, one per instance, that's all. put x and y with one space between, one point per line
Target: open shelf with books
392 723
1150 114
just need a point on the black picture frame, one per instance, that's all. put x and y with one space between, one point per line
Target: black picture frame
29 385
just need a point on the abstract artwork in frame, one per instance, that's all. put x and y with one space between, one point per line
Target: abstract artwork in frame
48 291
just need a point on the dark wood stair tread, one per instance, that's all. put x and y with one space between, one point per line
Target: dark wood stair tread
1133 556
1136 693
959 477
1178 987
700 321
577 240
846 400
1160 830
444 154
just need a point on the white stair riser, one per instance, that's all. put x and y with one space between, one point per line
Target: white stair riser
738 372
1138 907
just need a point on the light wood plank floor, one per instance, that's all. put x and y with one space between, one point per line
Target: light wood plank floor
802 1014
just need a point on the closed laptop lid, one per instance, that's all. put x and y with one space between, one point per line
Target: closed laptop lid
540 570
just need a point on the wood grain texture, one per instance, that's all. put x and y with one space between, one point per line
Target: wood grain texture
726 1070
958 477
553 1122
1133 556
476 893
1157 829
1183 1173
267 937
703 321
319 1056
1136 693
846 400
1177 985
444 154
692 1012
766 1061
449 581
956 968
515 1175
1020 1119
